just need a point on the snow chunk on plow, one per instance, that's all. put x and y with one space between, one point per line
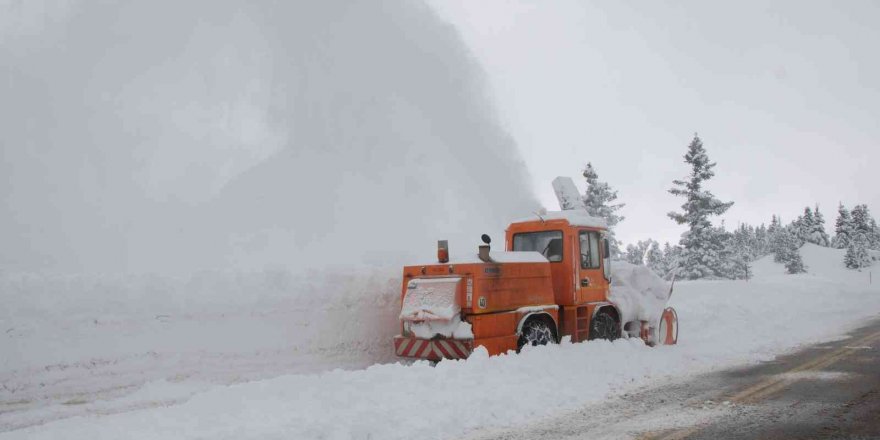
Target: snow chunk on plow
431 299
638 292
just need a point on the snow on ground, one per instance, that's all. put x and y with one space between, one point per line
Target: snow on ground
723 323
84 345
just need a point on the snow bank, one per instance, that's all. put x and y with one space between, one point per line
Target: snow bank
93 340
818 260
638 292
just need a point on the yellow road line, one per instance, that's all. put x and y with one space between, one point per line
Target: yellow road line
777 382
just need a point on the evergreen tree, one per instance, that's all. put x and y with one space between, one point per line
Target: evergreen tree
778 236
817 234
638 253
773 237
856 252
633 255
671 255
789 252
843 228
599 201
796 230
874 241
737 252
864 224
805 225
739 267
761 242
701 256
655 259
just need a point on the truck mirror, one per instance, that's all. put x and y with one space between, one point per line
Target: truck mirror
607 248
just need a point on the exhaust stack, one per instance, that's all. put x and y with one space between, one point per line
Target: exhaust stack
484 253
484 249
443 251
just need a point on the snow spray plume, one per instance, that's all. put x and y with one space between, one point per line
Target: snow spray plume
158 136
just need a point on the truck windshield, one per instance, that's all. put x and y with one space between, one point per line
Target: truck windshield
548 243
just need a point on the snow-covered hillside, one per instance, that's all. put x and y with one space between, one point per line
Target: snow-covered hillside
256 355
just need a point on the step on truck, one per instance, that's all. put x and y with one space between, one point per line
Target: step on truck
553 280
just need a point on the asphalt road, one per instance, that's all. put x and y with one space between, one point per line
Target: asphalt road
827 391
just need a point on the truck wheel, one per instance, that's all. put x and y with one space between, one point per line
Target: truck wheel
604 326
535 332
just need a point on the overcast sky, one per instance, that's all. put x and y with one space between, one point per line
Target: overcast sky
784 96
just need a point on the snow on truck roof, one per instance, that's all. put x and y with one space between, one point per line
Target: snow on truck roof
498 257
575 217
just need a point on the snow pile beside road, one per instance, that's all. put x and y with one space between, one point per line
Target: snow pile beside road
638 292
723 323
94 340
64 319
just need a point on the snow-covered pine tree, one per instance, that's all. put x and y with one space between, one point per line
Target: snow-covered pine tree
817 233
791 254
863 223
843 228
633 255
805 225
874 237
638 253
655 259
738 253
856 252
774 235
671 256
874 240
761 243
796 228
599 201
778 241
701 256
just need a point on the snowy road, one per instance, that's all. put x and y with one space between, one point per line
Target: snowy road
212 382
829 390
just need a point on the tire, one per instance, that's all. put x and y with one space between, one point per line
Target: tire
536 332
604 326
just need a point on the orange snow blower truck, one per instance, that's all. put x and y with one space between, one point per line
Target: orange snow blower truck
552 281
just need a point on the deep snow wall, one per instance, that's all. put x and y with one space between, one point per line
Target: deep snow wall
262 322
172 137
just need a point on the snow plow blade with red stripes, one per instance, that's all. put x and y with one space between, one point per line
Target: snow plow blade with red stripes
432 349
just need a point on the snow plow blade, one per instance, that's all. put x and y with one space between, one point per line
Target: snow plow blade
432 349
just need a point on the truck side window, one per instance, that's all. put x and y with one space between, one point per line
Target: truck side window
589 250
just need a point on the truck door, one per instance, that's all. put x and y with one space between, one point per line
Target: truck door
591 286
